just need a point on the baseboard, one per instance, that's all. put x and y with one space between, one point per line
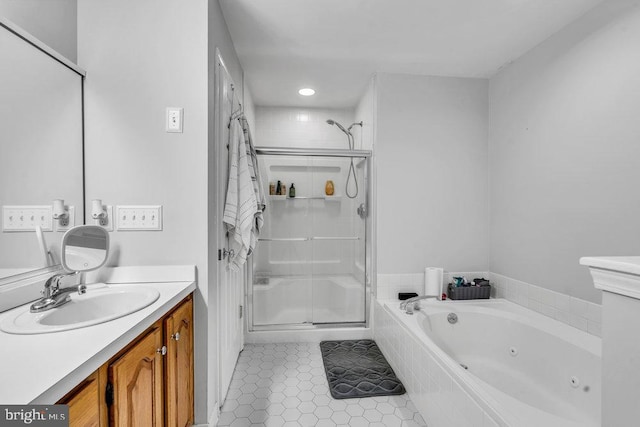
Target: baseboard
213 419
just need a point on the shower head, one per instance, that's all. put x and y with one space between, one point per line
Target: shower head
352 170
333 122
354 124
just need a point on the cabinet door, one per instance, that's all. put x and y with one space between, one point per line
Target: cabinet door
179 365
137 384
84 403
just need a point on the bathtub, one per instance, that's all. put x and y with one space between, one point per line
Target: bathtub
499 364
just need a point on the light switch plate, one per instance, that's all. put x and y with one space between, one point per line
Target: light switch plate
139 218
174 119
26 218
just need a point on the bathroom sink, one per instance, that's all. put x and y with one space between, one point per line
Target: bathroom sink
100 304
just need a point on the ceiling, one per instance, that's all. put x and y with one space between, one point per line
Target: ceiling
334 46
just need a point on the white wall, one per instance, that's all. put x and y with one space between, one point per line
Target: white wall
431 173
365 140
563 152
142 57
366 113
301 127
51 21
249 110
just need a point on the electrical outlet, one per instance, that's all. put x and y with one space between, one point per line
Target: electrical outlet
138 218
72 221
26 218
106 223
174 119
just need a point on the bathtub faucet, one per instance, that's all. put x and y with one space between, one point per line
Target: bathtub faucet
412 303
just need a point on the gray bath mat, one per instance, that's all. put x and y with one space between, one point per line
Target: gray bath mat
357 368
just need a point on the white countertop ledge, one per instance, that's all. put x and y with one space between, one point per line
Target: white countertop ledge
42 368
618 274
623 264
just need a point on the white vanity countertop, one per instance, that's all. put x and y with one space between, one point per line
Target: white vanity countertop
42 368
623 264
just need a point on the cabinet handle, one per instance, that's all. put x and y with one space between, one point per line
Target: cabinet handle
176 336
162 350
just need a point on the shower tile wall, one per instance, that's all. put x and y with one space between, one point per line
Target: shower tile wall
301 127
296 280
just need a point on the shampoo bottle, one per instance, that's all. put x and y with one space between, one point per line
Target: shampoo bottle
329 188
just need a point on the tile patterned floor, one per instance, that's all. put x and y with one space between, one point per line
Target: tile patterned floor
284 385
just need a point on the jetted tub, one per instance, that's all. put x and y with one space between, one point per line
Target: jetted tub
521 368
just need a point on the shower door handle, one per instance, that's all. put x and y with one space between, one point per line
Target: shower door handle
362 210
223 253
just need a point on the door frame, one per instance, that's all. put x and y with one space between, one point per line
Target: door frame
219 187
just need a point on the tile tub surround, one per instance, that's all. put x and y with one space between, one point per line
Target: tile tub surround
430 387
284 385
389 285
575 312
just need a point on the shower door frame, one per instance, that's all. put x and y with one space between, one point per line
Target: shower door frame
319 152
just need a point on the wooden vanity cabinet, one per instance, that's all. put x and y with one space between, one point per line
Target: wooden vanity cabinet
178 327
136 379
148 383
85 403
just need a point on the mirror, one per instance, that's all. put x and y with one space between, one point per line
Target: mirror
40 147
84 248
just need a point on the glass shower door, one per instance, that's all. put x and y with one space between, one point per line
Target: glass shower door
309 264
338 243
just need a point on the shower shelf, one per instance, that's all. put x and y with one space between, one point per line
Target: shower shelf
327 198
305 239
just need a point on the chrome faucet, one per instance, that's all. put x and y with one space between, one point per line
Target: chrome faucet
53 296
413 303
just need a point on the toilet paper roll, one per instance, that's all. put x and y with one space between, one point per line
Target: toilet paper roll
433 281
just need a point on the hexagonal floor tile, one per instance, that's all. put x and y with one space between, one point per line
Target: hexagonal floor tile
285 385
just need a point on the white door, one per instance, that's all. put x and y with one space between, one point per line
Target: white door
230 285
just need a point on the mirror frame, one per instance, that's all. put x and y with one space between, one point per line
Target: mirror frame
63 244
27 37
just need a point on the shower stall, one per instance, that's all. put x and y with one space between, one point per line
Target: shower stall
309 266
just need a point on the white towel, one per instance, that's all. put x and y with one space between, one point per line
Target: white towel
254 171
241 204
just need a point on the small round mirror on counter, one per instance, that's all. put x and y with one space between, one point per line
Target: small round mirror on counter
85 248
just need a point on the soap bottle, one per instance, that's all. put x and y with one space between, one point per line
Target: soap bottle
329 188
279 188
283 189
292 191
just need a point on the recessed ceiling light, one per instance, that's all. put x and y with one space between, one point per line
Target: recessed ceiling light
307 91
